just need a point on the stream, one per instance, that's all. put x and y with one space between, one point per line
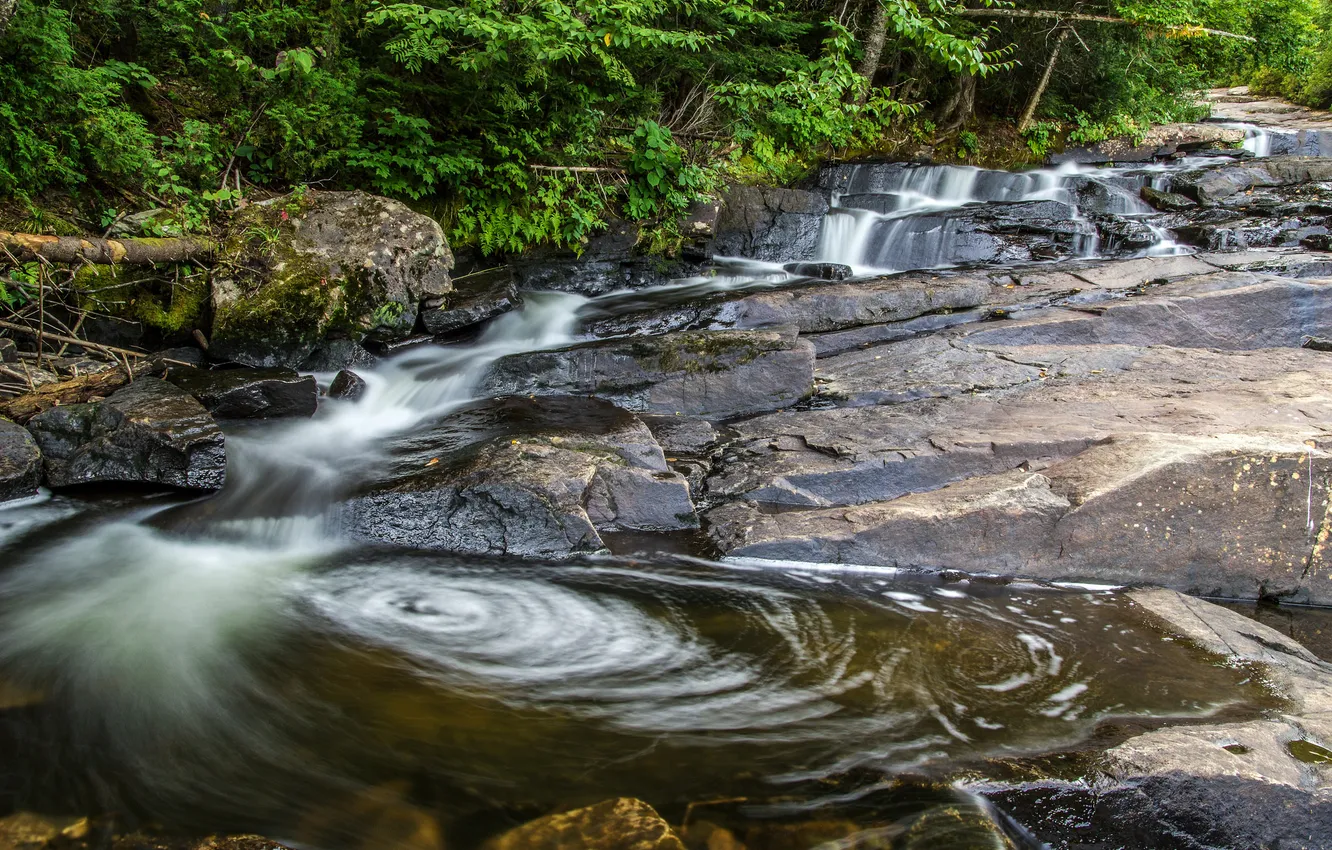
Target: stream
238 663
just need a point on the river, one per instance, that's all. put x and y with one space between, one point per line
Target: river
239 663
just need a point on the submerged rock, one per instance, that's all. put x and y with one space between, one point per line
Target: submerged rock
531 477
149 432
20 462
620 824
321 267
249 393
713 374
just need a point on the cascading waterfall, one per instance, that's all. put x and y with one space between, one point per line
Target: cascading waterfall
891 218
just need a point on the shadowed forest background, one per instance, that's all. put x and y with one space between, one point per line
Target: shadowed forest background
518 122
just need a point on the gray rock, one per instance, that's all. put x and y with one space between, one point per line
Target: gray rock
326 266
346 384
249 393
8 351
477 297
769 224
337 354
713 374
822 271
148 432
682 435
20 462
530 477
1210 185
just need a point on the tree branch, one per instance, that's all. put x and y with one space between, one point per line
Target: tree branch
27 247
1051 14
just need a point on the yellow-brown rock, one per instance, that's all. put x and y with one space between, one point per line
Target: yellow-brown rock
619 824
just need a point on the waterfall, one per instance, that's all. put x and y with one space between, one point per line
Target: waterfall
895 217
1257 141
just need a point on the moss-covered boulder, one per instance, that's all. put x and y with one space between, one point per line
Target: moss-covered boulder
136 304
306 269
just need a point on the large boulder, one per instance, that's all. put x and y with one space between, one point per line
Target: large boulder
619 824
712 374
149 432
320 267
249 393
20 462
530 477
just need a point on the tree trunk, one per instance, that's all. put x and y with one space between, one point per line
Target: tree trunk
26 247
7 10
875 35
1035 101
960 106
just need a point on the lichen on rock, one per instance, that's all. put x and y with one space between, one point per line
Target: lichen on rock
316 266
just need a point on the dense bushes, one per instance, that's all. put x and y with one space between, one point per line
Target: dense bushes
523 121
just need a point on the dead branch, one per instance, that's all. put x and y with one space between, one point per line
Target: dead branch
74 391
96 346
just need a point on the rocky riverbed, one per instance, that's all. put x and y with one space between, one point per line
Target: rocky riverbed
905 428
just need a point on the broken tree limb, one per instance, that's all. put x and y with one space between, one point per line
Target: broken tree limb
96 346
27 247
1030 111
1074 17
75 391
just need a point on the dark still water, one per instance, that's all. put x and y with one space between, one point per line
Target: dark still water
346 696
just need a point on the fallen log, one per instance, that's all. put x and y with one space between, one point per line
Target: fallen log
74 391
28 247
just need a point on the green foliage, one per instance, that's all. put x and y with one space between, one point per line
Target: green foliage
482 109
1040 136
968 144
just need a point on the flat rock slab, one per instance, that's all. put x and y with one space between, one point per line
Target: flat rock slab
20 462
249 393
1090 432
530 477
150 432
1227 310
711 374
1219 517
